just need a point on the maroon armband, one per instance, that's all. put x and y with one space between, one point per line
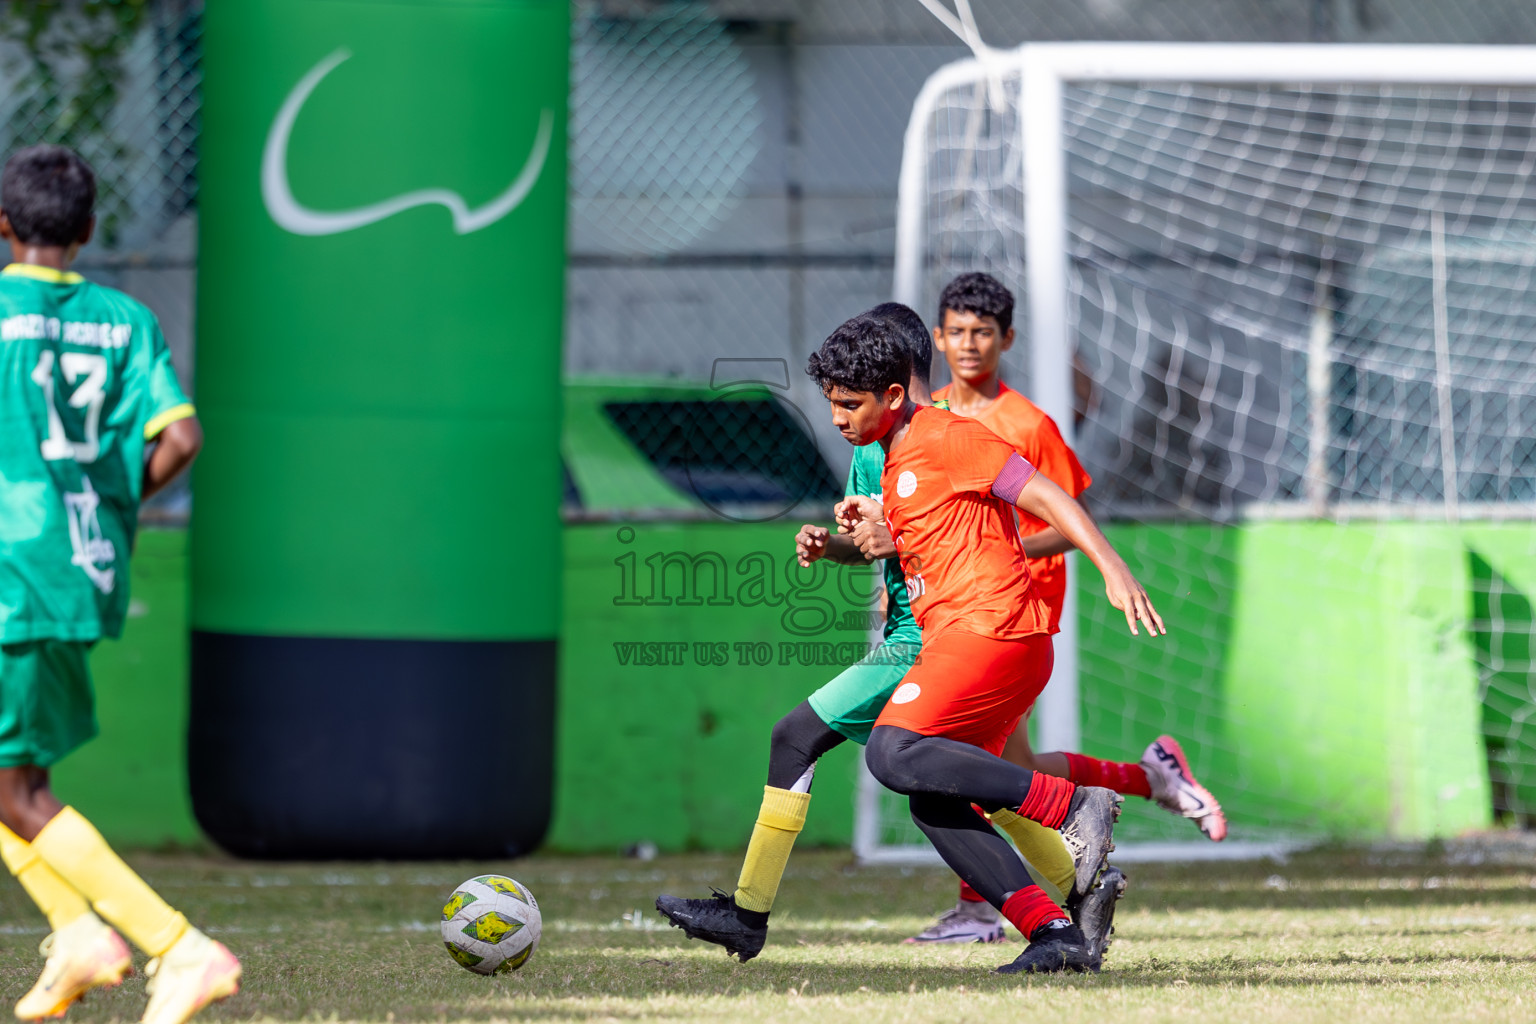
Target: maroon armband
1011 479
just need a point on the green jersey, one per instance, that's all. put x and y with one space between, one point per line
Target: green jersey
85 380
864 478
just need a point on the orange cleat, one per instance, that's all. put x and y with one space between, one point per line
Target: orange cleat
1175 789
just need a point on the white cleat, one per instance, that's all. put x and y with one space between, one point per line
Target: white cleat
82 955
965 922
1175 789
194 972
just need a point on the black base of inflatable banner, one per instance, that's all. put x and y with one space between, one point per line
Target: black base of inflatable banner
318 748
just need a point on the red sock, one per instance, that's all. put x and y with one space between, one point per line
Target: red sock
1047 801
969 895
1029 908
1130 779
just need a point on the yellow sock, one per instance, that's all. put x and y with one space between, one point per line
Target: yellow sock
1043 848
779 821
73 848
59 901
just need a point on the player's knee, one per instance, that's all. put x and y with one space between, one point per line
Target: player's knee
16 799
787 760
13 784
922 807
782 741
887 755
797 741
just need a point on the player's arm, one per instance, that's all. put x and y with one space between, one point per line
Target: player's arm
855 543
863 519
1049 453
813 543
1049 541
1036 494
175 448
172 425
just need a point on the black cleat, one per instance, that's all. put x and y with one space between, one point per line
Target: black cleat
718 920
1053 948
1095 913
1088 832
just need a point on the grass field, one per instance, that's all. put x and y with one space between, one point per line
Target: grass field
1447 934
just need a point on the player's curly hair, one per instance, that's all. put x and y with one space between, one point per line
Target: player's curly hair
981 294
867 353
914 332
48 193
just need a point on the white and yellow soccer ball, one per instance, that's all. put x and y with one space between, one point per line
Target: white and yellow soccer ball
491 924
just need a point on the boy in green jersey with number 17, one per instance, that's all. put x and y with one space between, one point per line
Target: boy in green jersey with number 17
86 388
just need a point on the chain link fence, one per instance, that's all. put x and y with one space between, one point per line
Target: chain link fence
733 162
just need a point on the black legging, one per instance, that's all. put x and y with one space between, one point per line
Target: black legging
799 739
943 778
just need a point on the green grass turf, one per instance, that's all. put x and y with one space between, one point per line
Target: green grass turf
1445 934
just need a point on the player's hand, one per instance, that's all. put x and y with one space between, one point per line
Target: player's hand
811 543
859 508
1128 595
874 540
847 515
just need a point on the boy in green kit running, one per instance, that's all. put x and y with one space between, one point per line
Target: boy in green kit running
93 422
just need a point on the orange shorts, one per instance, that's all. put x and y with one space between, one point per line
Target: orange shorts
971 688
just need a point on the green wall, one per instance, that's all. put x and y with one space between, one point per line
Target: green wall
1352 683
1326 674
1503 568
131 781
1134 688
1323 678
682 748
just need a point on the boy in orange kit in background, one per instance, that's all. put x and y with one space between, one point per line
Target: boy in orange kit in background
974 329
950 486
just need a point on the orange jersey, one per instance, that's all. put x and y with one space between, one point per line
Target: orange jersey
1035 436
958 545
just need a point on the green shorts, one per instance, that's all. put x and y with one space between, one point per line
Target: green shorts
851 702
46 705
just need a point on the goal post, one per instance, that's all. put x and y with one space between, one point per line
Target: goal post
1301 280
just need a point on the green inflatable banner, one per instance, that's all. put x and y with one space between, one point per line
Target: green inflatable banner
376 537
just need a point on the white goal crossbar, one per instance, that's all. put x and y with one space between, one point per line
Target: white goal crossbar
1041 70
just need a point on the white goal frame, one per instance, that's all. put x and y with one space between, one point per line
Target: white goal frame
1042 70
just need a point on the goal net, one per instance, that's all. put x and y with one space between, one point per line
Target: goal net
1284 298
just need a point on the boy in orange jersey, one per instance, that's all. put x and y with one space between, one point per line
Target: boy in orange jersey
975 328
949 489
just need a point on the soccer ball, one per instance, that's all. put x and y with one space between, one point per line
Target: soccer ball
491 924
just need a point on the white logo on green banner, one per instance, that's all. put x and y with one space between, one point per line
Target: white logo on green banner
289 214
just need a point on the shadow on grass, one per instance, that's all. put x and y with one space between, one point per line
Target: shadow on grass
1341 933
583 985
1156 897
289 980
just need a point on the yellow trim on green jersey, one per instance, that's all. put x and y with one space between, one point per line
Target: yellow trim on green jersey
48 275
176 412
